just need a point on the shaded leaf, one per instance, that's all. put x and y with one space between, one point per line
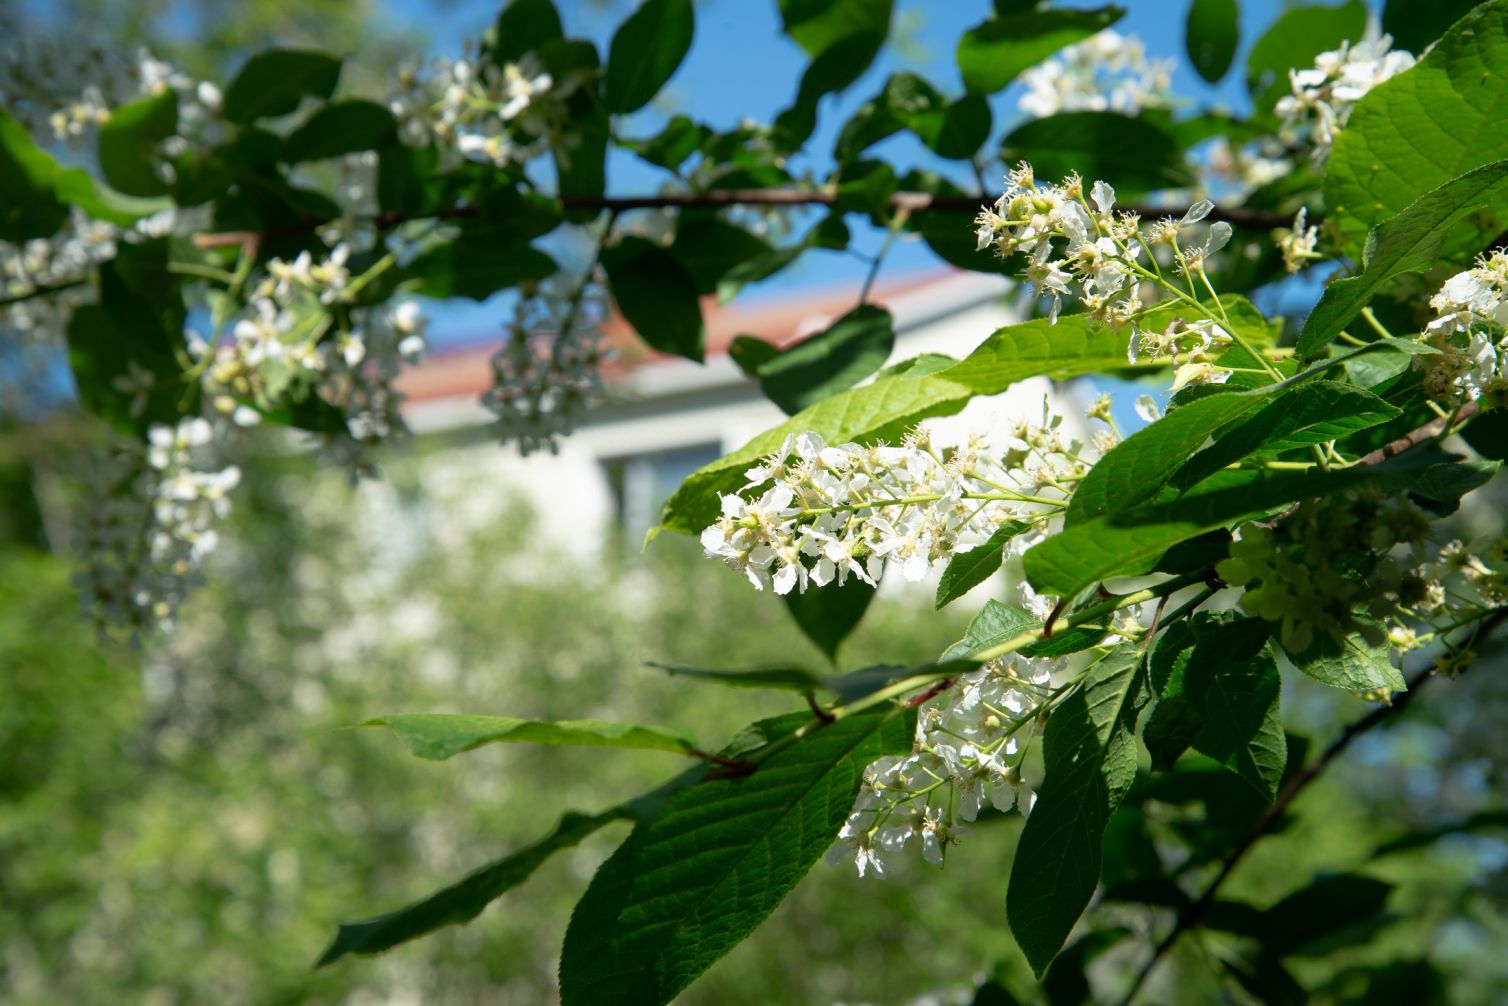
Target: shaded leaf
688 885
828 615
1211 33
967 570
1350 663
128 144
28 206
646 50
343 127
656 295
274 82
1415 25
523 26
993 53
439 736
833 360
1134 151
709 248
1089 748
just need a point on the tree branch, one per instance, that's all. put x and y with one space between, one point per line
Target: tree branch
1193 913
908 202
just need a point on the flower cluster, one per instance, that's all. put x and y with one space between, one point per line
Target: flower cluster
970 742
547 373
1322 96
1363 562
476 109
146 534
813 513
298 338
1107 257
1470 330
1108 72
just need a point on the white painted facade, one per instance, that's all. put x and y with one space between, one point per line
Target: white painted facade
667 417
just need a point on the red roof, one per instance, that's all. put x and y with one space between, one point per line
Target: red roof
466 371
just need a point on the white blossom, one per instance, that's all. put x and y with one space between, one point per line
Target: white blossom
1470 332
1323 95
816 514
970 741
1107 72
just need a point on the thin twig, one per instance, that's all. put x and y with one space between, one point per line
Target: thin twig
1193 913
907 202
1418 436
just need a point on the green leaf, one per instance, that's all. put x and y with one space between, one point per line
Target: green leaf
993 53
1415 25
656 295
274 82
1210 35
1131 541
439 736
670 147
996 623
955 130
342 127
952 129
709 248
77 187
408 180
1412 241
28 207
477 265
881 410
721 854
1427 125
818 25
750 352
128 337
1075 345
788 678
1218 690
1295 38
1243 725
1350 663
967 570
833 360
128 144
1138 154
1089 749
1311 413
646 50
580 153
1487 434
523 26
1132 471
463 901
828 615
